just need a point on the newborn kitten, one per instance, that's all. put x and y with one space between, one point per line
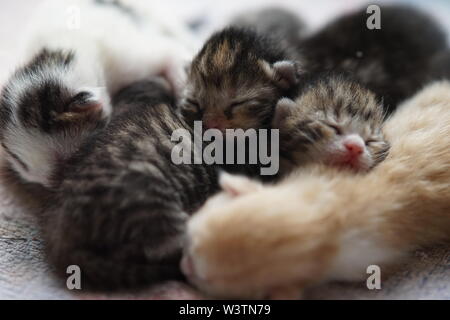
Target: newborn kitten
236 80
334 120
120 209
393 61
45 114
321 224
77 55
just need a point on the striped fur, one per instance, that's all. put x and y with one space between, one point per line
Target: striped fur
120 209
328 109
234 81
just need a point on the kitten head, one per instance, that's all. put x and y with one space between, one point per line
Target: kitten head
335 121
47 108
236 79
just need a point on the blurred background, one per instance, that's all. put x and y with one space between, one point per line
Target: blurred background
14 15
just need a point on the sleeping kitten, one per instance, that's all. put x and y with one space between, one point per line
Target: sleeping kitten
254 241
393 61
61 94
334 120
236 80
121 205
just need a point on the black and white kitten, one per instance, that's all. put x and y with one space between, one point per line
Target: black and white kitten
77 54
121 204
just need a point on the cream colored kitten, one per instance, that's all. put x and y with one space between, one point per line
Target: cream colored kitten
254 241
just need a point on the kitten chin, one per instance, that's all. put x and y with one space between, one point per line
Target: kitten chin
333 120
323 224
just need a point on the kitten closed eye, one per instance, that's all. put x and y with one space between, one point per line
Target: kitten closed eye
336 128
327 123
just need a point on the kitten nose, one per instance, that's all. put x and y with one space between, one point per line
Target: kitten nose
354 145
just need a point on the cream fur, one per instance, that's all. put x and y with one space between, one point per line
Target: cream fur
322 224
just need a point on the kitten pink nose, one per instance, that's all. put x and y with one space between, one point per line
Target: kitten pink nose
354 146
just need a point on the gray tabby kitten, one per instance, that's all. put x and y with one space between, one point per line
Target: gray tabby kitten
121 206
333 120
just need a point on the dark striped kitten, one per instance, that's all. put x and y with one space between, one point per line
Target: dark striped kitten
120 210
393 61
333 120
237 78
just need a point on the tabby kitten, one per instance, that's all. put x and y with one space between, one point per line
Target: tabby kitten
334 120
236 80
393 61
254 241
121 204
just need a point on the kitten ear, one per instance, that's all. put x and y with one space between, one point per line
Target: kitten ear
237 185
283 109
284 73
